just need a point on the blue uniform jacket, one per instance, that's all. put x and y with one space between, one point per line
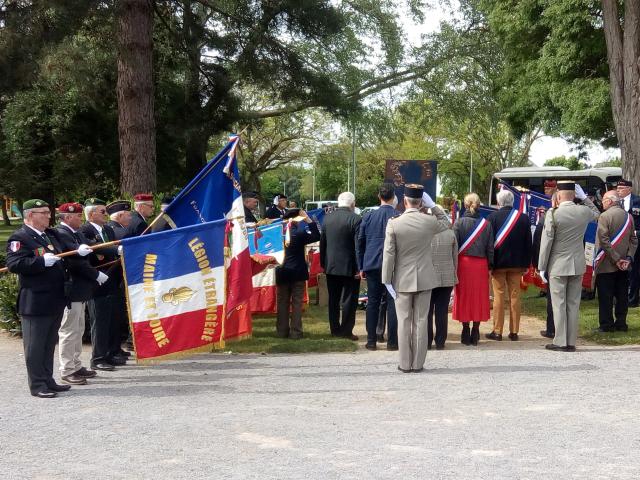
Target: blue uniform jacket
371 238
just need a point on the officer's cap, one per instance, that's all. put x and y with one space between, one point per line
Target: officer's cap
566 185
413 190
118 206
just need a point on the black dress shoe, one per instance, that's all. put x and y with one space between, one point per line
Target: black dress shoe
59 388
634 304
622 328
370 346
417 370
603 330
380 338
83 372
570 348
465 336
555 348
45 394
392 348
124 353
439 347
403 370
513 337
495 336
546 334
117 361
107 367
351 337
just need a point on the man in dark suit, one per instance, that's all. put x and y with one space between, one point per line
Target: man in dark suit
119 213
31 254
105 334
631 204
143 206
279 207
84 280
293 274
250 202
338 244
370 245
511 258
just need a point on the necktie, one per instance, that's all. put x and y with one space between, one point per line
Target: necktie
47 241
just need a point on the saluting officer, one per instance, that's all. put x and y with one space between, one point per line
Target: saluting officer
41 300
562 258
407 268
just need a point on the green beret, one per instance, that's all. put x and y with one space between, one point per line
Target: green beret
92 202
34 203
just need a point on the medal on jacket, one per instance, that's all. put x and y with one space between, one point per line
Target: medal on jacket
39 251
50 247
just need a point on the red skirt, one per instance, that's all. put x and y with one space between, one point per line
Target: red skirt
471 294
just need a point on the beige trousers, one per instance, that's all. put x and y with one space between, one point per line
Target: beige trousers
70 338
412 310
506 286
565 299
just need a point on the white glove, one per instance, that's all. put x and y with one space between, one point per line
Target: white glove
426 200
543 275
120 250
580 195
84 250
50 259
102 277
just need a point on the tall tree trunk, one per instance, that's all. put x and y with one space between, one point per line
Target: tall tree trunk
136 123
623 54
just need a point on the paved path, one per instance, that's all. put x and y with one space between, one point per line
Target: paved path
476 413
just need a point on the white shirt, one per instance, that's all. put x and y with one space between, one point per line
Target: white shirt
627 202
99 229
66 225
35 230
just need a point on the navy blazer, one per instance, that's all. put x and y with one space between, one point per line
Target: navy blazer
634 210
103 256
294 268
83 275
515 251
371 237
137 226
339 241
41 288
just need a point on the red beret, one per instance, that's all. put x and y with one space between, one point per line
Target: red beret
70 208
550 183
143 197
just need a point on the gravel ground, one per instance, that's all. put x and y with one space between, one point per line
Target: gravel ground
475 413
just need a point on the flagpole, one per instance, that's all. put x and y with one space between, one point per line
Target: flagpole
75 252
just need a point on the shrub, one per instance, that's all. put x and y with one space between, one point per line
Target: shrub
8 297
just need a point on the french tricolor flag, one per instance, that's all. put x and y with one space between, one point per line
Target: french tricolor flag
175 286
213 194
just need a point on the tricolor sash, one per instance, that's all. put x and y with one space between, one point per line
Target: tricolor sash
506 228
475 234
617 238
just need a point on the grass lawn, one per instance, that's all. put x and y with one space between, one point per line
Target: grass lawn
316 336
537 307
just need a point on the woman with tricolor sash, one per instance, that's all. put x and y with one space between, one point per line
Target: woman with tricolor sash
475 259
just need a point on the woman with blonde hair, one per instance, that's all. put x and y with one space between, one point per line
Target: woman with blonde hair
475 259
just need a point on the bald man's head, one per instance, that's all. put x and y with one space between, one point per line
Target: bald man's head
610 199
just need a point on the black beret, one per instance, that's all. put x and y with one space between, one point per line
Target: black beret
625 183
249 195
